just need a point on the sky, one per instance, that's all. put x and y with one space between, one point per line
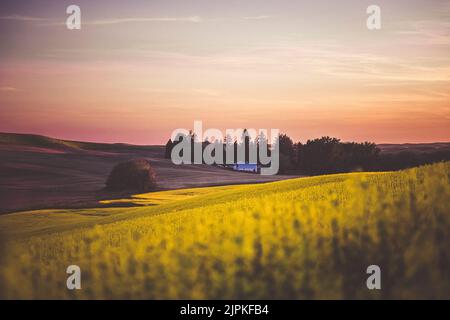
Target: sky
137 70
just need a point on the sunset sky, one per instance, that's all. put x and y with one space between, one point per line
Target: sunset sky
137 70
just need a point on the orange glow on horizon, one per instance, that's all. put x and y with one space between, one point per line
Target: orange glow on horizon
309 76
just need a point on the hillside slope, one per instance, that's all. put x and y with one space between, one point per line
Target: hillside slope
38 172
301 238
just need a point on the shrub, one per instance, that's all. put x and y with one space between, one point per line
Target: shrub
133 175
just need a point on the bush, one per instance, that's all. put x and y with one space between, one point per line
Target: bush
133 175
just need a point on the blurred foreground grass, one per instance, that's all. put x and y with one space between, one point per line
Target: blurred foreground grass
298 239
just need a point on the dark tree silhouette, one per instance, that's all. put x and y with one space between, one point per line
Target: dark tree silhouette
329 155
323 155
169 147
134 175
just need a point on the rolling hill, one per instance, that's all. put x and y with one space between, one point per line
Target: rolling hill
297 239
38 172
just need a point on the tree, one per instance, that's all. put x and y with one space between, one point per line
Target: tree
328 155
134 175
168 151
286 145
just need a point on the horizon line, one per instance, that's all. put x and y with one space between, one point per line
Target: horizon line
163 144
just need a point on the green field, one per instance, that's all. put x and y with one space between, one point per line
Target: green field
296 239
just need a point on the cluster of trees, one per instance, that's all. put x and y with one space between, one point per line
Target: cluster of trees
326 155
329 155
229 142
409 159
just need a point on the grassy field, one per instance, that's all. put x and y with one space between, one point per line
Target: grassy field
297 239
38 172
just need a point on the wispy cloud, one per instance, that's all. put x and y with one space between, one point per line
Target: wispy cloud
17 17
260 17
427 32
50 21
194 91
8 89
193 19
121 20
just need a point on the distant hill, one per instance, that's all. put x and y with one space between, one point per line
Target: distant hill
415 147
42 172
40 141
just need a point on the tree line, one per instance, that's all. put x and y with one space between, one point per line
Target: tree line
325 155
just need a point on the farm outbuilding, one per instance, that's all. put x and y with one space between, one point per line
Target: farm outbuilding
247 167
